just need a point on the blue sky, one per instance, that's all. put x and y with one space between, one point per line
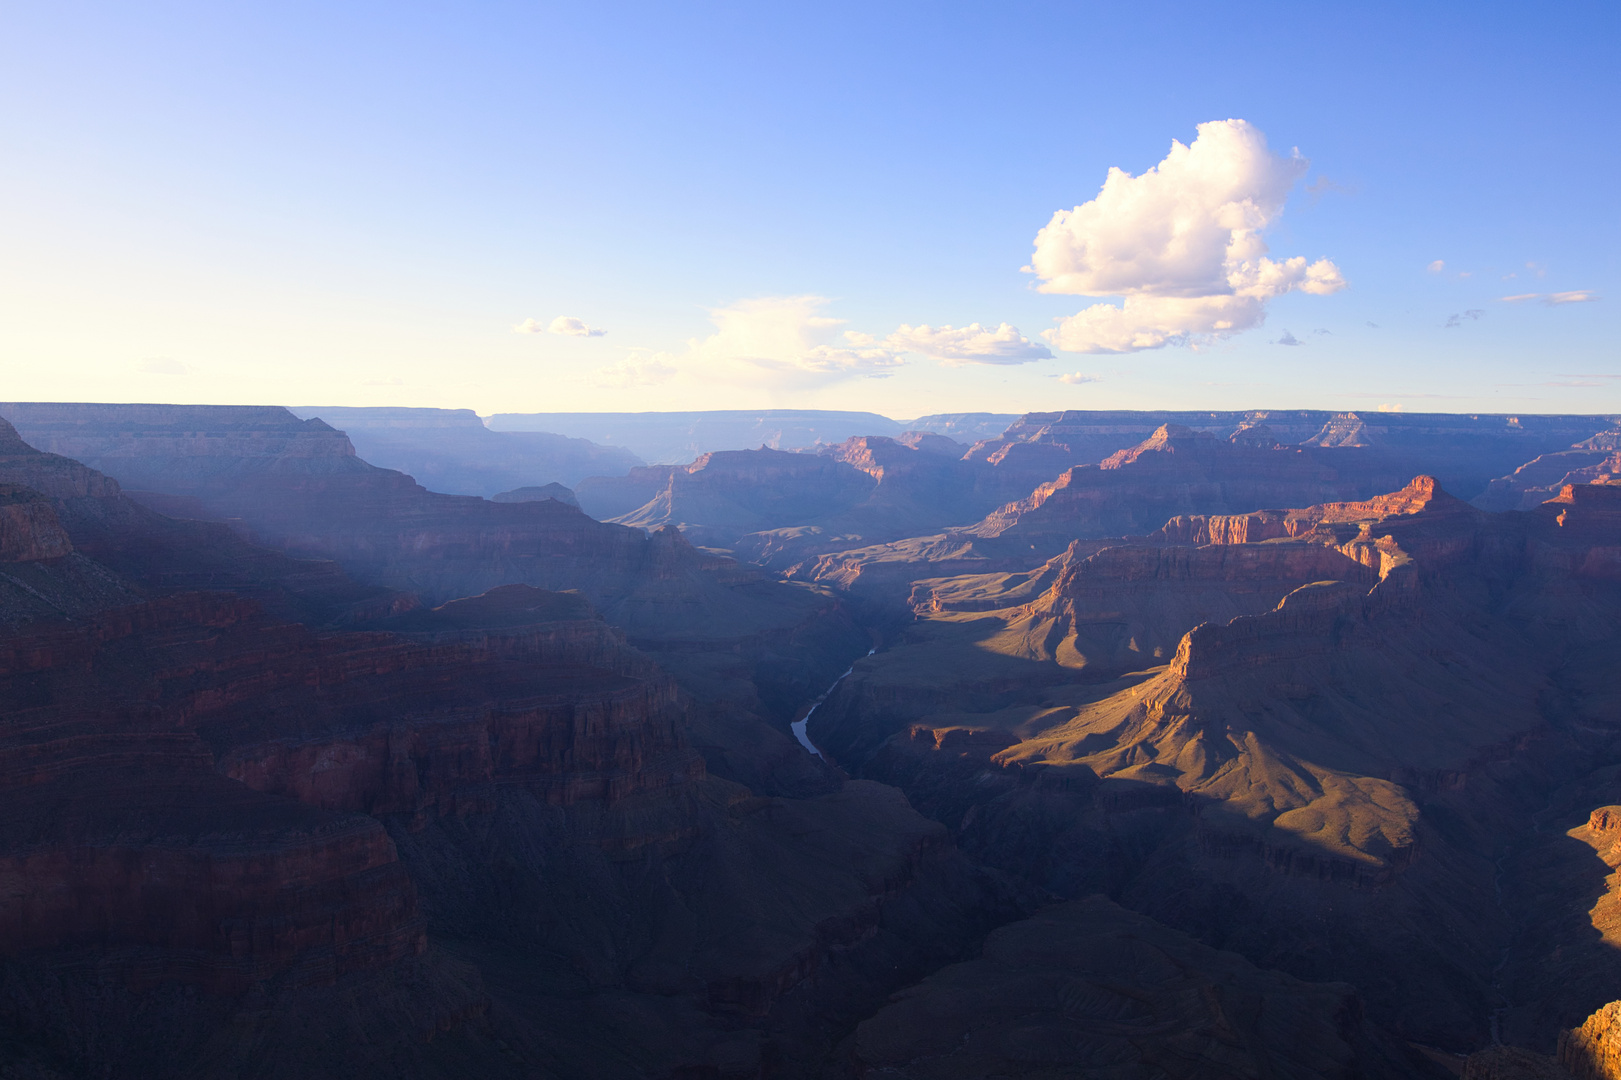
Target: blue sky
356 204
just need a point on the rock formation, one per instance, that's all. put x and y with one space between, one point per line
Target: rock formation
537 494
1593 1051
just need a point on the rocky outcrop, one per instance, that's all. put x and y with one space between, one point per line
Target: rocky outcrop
29 529
1593 1051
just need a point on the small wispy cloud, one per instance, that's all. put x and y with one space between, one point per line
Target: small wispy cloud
1576 296
1322 186
1455 321
163 365
638 369
1288 338
1323 330
1076 378
566 325
1437 266
1391 406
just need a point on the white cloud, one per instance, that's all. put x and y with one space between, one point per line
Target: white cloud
1388 407
971 344
783 342
1076 378
1436 267
1181 244
567 325
163 365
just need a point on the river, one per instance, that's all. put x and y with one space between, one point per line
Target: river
799 725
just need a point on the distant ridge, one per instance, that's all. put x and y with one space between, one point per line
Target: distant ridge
678 438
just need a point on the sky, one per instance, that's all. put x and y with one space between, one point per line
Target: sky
907 208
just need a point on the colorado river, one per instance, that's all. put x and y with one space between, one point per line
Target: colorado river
799 725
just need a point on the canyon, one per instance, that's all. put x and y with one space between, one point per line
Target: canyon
1172 745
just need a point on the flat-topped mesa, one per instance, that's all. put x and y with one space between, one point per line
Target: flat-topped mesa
1588 507
29 529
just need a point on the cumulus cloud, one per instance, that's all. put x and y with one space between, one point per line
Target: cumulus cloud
783 342
971 344
1390 407
163 365
566 325
1075 378
1288 338
1181 245
1436 267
